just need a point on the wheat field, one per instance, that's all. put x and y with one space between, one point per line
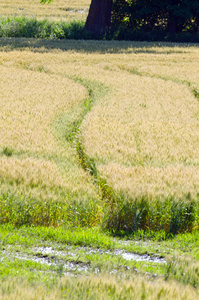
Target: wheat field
30 103
58 10
143 133
100 287
76 116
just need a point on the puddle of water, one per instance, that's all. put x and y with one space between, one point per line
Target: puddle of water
147 258
125 255
52 257
66 266
51 251
79 11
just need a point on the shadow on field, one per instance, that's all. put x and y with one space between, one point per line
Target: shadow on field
91 46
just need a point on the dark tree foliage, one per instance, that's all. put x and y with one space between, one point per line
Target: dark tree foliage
173 16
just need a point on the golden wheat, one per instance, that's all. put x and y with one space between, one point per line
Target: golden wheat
143 134
99 287
30 103
58 10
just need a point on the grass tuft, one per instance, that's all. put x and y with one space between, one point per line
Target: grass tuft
8 151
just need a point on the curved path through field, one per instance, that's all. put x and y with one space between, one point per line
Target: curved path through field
143 134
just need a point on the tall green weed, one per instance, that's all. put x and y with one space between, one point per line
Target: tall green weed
126 214
18 211
184 270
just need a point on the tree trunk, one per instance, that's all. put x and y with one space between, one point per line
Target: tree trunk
99 16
